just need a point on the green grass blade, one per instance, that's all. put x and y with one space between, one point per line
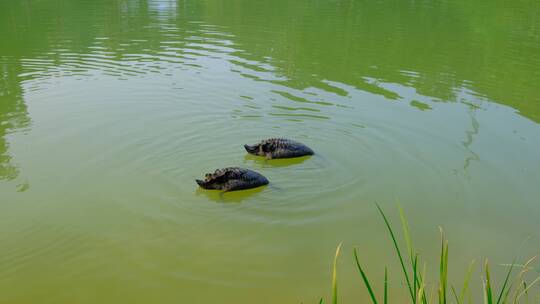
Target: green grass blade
415 263
466 283
406 235
489 296
421 283
455 295
321 301
516 292
485 292
421 293
334 276
364 277
443 270
506 281
385 285
507 294
412 256
398 251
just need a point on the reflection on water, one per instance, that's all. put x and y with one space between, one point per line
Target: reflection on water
232 196
471 133
131 100
13 115
436 55
280 162
148 36
420 105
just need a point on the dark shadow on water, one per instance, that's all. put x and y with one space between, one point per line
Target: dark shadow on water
283 162
229 197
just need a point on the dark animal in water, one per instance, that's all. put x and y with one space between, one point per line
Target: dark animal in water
230 179
279 148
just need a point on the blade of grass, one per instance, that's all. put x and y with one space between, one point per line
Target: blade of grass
489 296
466 283
484 289
506 281
334 276
525 268
525 291
527 287
321 301
406 235
455 295
516 292
507 293
385 285
421 283
398 251
410 251
366 280
443 269
421 292
415 263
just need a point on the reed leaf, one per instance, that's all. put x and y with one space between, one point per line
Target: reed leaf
484 289
334 276
443 269
385 285
513 287
398 251
421 283
506 281
365 279
488 292
415 263
455 295
527 287
466 283
421 292
406 234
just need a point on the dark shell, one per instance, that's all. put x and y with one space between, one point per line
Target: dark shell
233 178
279 148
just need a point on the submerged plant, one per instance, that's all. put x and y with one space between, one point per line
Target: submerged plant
513 290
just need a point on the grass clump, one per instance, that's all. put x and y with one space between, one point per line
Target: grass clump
515 289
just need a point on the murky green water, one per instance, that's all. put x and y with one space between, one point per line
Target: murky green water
110 109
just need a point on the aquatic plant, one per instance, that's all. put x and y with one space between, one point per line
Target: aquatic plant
513 290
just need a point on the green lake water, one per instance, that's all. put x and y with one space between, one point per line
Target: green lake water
109 110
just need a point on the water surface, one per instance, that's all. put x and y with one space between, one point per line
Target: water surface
110 109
